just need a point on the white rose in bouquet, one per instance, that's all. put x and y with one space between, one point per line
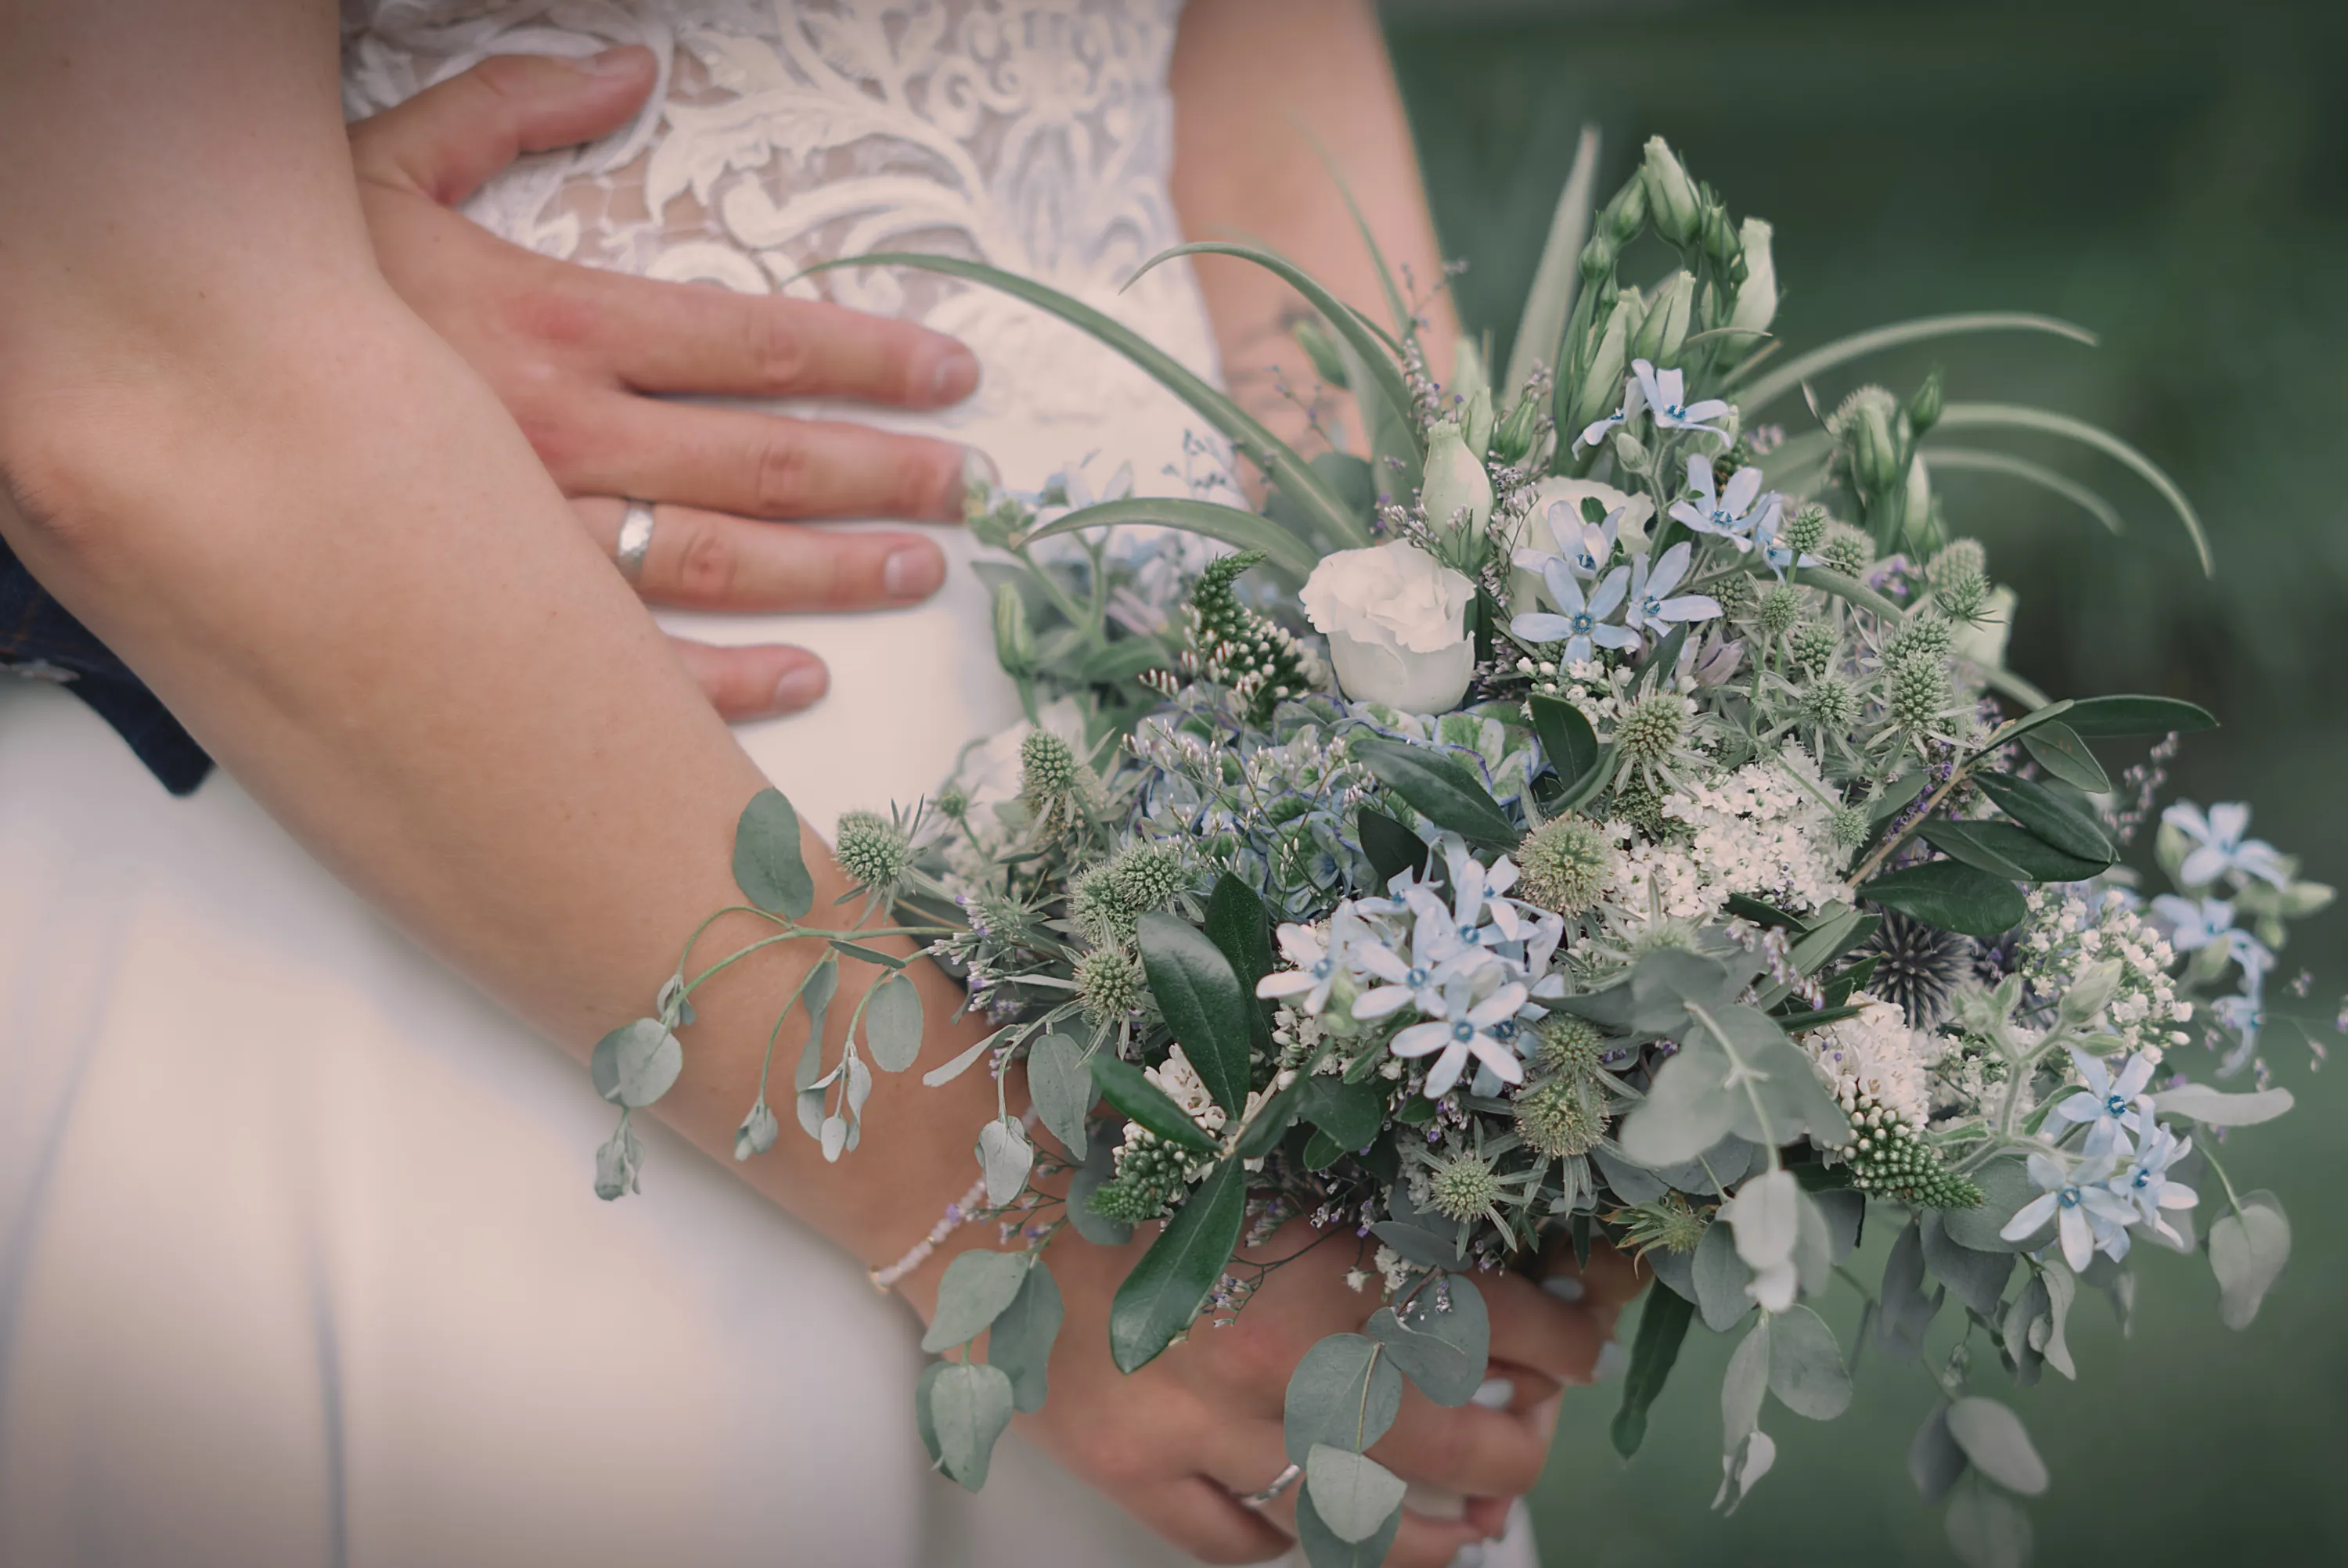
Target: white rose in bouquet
1395 618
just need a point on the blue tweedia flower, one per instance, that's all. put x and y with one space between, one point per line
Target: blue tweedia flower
1316 959
2086 1212
2145 1181
1648 605
2112 1107
1583 620
1460 1027
1735 514
1666 394
1586 546
1435 957
2210 924
2219 847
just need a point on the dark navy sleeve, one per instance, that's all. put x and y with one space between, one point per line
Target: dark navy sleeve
39 639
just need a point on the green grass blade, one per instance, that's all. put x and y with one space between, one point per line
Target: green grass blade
1311 492
1768 388
1975 459
1384 377
1540 333
2015 416
1247 530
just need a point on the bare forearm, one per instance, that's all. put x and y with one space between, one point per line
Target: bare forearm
303 519
1255 87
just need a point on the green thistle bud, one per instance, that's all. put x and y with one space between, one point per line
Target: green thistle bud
1462 1185
1653 728
1921 636
1806 531
953 802
1779 608
1667 1223
1559 1120
1920 693
1570 1047
1850 827
874 852
1846 549
1814 644
1047 766
1738 597
1641 805
1563 866
1830 704
1098 907
1110 984
1958 575
1147 876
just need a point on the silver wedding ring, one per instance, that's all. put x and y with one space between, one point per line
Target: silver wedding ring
635 540
1280 1483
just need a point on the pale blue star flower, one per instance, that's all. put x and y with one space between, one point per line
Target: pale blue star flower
2145 1181
2088 1214
1735 514
1666 392
1634 403
2211 923
1317 958
1586 546
2219 847
1436 956
1584 619
1460 1026
2112 1107
1648 605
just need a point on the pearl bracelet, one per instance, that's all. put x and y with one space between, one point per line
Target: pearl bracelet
885 1277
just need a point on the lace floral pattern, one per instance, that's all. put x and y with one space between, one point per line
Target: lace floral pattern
1033 136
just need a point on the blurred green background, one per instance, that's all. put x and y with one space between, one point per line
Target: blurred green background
2174 177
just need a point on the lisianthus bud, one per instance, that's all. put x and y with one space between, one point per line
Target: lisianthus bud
1664 331
1457 493
1015 638
1627 213
1476 422
1395 618
1513 438
1601 392
1865 424
1598 257
1328 363
1924 408
1719 238
1757 297
1670 198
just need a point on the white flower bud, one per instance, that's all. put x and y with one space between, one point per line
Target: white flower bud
1664 331
1671 203
1757 297
1458 492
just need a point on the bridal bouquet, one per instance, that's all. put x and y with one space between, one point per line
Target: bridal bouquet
1590 816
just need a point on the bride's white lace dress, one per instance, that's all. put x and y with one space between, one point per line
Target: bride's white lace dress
299 1262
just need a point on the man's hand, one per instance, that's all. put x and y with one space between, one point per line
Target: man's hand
579 355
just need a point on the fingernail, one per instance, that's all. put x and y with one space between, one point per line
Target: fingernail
1565 1286
801 685
913 572
1545 1415
978 470
620 62
1469 1556
1494 1393
957 375
1612 1361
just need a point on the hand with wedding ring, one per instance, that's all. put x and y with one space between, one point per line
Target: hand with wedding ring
687 499
1192 1442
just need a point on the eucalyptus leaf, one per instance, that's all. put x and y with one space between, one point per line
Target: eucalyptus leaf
1170 1283
1907 1312
1935 1462
1988 1530
635 1063
1844 1210
1061 1088
1322 1548
2101 717
1951 897
2061 752
1020 1341
1004 1157
1352 1493
1719 1276
1441 1340
970 1404
1806 1366
768 865
892 1024
1662 1327
1123 1085
1688 1109
1345 1393
2214 1108
2247 1252
865 955
977 1286
2047 814
1198 993
2005 1187
1994 1439
925 1422
1975 1277
1744 1386
757 1132
1439 788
